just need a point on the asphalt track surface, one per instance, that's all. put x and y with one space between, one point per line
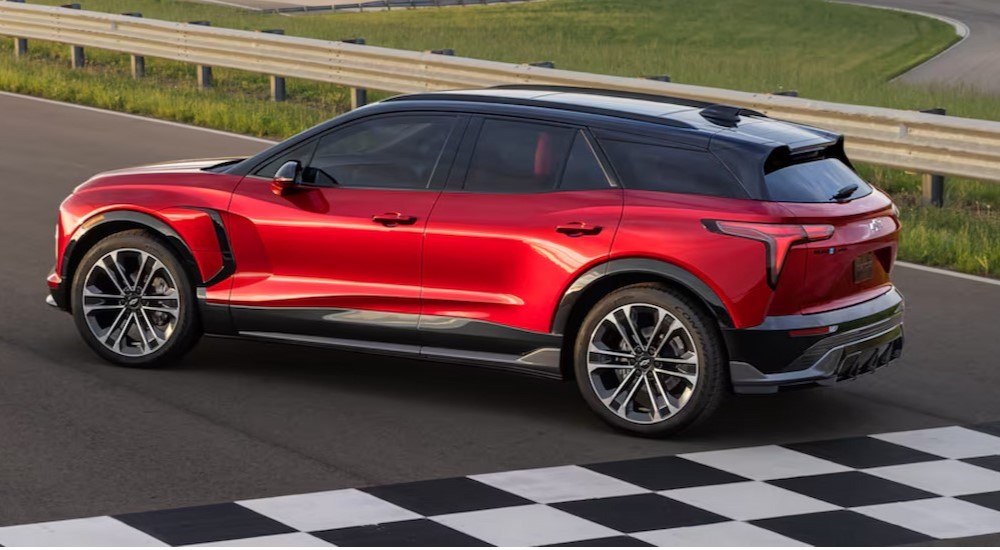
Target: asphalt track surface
975 61
242 420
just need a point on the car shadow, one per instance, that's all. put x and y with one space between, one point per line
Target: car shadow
807 414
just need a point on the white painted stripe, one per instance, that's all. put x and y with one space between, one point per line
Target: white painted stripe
231 4
138 117
949 273
961 29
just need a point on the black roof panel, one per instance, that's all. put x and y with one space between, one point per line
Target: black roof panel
739 125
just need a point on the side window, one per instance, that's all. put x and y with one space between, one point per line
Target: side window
664 168
518 157
302 153
392 152
583 170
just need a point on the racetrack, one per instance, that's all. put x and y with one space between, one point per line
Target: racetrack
243 420
975 61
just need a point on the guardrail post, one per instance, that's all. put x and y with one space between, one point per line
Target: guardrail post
544 64
204 72
277 82
138 61
359 96
77 58
659 77
932 185
20 44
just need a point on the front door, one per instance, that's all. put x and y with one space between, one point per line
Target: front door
340 257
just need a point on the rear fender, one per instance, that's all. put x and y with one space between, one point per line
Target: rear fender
644 266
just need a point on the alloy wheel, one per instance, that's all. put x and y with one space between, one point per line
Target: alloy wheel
131 302
642 363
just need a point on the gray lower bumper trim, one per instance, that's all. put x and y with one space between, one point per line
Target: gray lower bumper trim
852 354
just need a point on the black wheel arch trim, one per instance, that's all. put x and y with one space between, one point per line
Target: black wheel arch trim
648 266
163 229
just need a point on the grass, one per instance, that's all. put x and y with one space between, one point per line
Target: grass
964 236
827 51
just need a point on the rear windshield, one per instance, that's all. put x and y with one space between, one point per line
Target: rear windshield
825 180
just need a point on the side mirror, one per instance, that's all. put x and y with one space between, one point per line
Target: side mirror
287 178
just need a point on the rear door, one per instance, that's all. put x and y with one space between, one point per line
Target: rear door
528 206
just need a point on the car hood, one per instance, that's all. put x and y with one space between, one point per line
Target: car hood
176 166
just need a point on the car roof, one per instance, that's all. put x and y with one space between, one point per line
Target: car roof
723 122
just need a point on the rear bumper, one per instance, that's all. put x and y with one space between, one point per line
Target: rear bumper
767 358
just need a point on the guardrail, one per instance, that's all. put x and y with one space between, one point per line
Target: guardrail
908 140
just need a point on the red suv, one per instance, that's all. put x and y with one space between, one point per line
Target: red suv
662 253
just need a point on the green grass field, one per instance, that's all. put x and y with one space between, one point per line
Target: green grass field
825 51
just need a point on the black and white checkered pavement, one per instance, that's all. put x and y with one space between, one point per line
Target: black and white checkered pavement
885 489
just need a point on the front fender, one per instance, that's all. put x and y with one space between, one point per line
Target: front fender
197 234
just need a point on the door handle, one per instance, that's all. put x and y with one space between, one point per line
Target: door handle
576 229
390 219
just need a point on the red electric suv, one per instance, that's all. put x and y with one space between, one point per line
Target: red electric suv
662 253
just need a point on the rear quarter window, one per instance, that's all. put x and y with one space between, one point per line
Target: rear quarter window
815 181
672 169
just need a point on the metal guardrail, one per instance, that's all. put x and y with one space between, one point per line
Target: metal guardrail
908 140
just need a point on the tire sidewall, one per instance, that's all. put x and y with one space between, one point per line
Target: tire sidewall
187 329
704 335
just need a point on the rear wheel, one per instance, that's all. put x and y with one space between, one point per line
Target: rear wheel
649 361
133 303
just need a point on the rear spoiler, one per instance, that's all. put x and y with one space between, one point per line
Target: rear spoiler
785 155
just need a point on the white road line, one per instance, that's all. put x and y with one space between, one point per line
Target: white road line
138 117
946 272
961 29
231 5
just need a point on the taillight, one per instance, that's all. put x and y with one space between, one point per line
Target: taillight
778 239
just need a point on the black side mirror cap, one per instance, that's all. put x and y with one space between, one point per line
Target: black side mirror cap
287 178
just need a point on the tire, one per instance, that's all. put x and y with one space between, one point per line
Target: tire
114 320
689 345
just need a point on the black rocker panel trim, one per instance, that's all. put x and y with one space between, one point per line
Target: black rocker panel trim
471 334
443 338
341 323
649 266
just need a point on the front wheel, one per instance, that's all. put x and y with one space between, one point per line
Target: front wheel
649 361
133 304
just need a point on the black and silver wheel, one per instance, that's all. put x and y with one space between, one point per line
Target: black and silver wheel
132 301
649 361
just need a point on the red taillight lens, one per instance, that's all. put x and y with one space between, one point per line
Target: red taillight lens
777 239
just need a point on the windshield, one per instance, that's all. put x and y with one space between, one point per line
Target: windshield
825 180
